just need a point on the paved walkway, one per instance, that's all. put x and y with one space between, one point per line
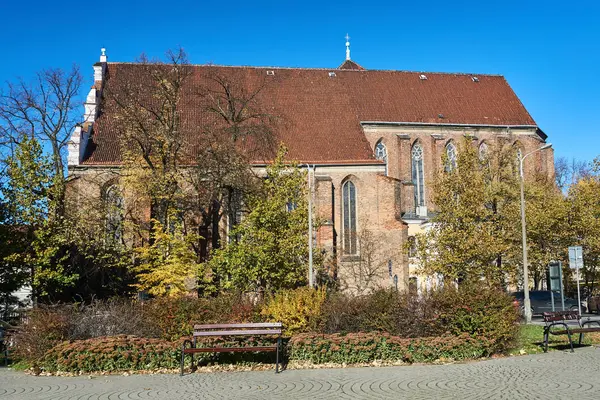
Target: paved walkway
556 375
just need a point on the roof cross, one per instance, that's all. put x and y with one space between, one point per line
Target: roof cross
347 47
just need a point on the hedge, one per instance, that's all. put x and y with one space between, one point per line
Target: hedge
129 353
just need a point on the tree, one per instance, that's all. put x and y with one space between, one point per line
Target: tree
366 273
547 227
268 250
474 225
168 266
584 224
46 110
152 135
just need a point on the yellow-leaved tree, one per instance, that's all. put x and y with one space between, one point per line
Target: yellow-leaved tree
168 266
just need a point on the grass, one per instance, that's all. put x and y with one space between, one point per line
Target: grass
531 337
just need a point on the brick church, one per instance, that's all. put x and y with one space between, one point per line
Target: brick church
371 139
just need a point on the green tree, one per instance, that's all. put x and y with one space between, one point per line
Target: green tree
471 232
548 228
268 250
584 224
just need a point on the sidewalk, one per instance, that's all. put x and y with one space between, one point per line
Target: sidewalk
555 375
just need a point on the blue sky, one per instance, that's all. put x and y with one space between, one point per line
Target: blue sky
549 50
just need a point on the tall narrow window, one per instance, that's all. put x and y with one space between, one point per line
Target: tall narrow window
381 154
483 151
417 175
349 210
450 157
412 246
518 156
235 211
114 213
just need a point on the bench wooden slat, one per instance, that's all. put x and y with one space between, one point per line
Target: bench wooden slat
241 326
229 349
240 332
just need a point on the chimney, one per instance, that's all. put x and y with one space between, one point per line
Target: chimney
74 147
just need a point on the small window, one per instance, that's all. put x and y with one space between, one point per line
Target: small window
483 151
291 206
381 154
412 246
451 157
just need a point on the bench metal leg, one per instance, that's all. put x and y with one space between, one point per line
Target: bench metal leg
183 354
277 355
192 364
182 358
570 341
580 338
546 337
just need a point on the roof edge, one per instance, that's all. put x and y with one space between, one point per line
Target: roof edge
401 123
334 69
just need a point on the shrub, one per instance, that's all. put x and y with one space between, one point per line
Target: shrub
42 328
355 348
112 354
175 317
478 311
384 310
299 309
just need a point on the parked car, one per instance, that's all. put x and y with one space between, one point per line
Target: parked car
594 304
541 301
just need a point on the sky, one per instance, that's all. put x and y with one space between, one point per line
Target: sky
549 51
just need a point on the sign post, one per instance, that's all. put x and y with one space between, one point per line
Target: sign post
576 262
555 282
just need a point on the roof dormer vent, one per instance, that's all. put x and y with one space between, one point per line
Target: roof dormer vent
423 77
332 74
475 79
270 72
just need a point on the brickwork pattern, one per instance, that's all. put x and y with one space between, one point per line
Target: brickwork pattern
556 375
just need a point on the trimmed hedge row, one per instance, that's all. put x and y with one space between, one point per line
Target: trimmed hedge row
112 354
129 353
357 348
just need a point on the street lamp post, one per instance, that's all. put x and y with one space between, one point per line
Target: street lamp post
526 300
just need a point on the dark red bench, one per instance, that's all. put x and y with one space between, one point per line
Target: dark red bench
554 319
267 329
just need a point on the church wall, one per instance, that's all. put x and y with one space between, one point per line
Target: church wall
378 211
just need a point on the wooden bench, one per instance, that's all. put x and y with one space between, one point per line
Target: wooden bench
560 318
268 329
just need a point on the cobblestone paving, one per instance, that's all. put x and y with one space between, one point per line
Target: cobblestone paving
556 375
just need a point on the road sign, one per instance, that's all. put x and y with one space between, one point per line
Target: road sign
575 257
555 282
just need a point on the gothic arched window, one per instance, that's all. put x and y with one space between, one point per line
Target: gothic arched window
114 213
381 154
518 156
484 151
418 174
349 217
451 157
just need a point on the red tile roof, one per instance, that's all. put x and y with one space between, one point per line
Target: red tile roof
321 112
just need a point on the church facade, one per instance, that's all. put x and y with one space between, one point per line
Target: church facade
371 140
